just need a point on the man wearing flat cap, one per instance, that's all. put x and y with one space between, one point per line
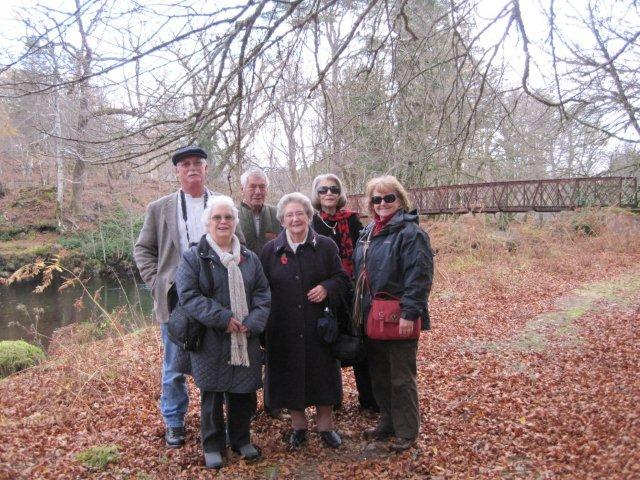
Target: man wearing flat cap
173 223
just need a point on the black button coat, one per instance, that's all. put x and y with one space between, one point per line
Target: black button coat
300 370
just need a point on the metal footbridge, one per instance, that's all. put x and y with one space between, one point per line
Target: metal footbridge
552 195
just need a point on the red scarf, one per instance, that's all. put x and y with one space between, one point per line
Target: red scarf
380 223
341 217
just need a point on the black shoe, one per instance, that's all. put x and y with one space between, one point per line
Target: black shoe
331 438
174 437
297 438
378 433
402 444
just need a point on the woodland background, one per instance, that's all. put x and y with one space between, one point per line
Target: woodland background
95 94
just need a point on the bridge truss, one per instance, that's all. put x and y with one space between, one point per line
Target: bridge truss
552 195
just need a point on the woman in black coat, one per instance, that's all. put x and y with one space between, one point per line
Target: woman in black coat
343 226
305 274
228 365
393 255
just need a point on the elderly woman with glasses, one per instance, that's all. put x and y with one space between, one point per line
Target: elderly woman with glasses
393 255
343 226
305 275
234 310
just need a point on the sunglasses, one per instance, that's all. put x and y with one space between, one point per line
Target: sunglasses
333 189
377 200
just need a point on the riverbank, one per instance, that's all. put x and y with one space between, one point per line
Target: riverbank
528 372
99 241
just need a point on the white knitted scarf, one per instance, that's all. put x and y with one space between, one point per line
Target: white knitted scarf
239 354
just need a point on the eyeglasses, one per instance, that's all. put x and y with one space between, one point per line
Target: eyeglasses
377 200
188 163
219 218
333 189
298 214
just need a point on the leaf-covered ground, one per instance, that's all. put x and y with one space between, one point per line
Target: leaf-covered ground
530 371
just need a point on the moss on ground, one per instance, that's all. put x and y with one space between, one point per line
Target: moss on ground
16 355
97 458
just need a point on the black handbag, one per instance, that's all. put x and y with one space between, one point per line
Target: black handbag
349 349
327 326
182 329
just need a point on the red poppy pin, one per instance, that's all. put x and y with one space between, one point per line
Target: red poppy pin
284 259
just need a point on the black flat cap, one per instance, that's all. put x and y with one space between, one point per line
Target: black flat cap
189 151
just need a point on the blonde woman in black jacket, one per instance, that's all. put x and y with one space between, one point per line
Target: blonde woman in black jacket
399 261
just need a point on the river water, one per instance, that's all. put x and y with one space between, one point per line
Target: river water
23 312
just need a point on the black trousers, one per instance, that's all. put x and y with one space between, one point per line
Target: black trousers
392 364
240 408
363 383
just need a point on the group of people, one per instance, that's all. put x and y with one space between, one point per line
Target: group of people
259 278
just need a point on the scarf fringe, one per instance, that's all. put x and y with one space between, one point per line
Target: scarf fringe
238 299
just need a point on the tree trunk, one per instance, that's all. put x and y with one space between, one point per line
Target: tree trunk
85 57
59 160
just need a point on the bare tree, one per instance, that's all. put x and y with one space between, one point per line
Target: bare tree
412 87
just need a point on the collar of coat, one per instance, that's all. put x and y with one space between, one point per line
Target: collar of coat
396 223
282 245
206 252
248 207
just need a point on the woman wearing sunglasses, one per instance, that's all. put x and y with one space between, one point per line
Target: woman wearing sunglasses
343 226
393 255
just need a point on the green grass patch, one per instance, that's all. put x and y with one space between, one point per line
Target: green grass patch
16 355
97 458
560 325
271 472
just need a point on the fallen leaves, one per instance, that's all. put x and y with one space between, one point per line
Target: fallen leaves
503 392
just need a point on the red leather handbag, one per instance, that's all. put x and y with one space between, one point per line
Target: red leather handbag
384 319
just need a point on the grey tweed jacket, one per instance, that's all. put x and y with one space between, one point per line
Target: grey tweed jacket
157 251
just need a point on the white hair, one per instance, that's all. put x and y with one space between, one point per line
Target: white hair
216 201
315 198
295 197
253 172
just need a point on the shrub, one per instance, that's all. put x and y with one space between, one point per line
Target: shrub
16 355
97 458
111 243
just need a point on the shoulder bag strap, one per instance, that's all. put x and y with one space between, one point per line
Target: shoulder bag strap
207 264
362 282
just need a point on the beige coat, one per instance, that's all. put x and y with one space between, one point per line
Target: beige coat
157 251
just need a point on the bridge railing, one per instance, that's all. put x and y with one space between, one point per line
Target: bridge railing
552 195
